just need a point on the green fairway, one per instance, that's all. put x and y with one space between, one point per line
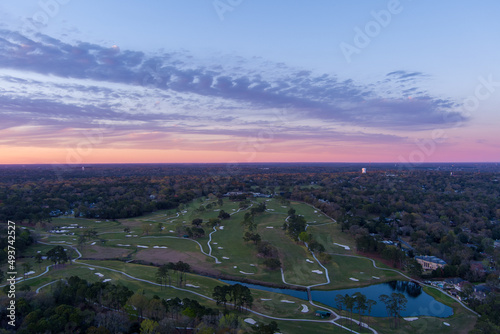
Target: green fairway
149 244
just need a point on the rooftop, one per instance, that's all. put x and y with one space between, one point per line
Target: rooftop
432 259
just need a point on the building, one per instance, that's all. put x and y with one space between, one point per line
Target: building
430 262
363 170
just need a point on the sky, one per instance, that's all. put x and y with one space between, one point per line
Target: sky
242 81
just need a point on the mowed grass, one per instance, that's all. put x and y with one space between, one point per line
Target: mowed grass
296 327
331 233
239 254
293 256
342 268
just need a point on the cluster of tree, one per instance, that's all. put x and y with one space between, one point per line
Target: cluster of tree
23 240
179 269
394 304
394 254
295 224
358 302
490 315
77 306
238 295
265 249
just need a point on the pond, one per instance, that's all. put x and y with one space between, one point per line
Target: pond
289 292
419 302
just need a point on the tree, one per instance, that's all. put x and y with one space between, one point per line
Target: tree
139 302
224 215
369 304
272 263
213 222
349 304
394 304
270 328
220 295
39 259
360 305
26 268
149 326
197 222
255 237
304 236
340 301
57 255
414 268
162 275
146 228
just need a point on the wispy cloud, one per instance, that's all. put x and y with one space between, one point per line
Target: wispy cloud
54 87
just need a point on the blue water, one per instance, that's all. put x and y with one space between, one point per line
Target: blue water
289 292
419 303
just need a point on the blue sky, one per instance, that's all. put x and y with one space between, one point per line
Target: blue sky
241 80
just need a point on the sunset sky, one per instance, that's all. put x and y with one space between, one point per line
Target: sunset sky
122 81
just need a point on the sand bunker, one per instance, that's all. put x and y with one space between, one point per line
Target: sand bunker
225 258
287 301
193 286
446 324
92 244
250 321
354 279
106 280
91 268
317 271
411 318
221 227
375 277
220 247
305 309
307 260
269 227
123 245
344 246
159 246
140 246
99 274
264 299
244 273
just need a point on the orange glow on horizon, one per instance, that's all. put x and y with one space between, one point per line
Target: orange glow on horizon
30 155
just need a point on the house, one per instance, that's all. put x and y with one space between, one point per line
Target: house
322 314
481 291
430 262
460 285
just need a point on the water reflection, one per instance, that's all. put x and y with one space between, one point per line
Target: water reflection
411 289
